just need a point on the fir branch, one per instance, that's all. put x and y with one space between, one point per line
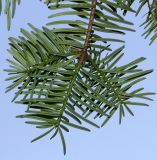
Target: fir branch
62 89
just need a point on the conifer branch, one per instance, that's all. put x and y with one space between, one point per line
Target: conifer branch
59 93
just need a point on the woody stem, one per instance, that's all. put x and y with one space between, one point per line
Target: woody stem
88 35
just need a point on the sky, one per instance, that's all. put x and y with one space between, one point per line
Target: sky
134 139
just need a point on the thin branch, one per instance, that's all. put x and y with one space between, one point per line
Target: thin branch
149 7
88 35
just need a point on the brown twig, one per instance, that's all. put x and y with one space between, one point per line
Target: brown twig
88 35
149 7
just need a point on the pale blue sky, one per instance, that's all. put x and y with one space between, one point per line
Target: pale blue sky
135 139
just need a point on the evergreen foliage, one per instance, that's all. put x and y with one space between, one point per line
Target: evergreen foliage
61 74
